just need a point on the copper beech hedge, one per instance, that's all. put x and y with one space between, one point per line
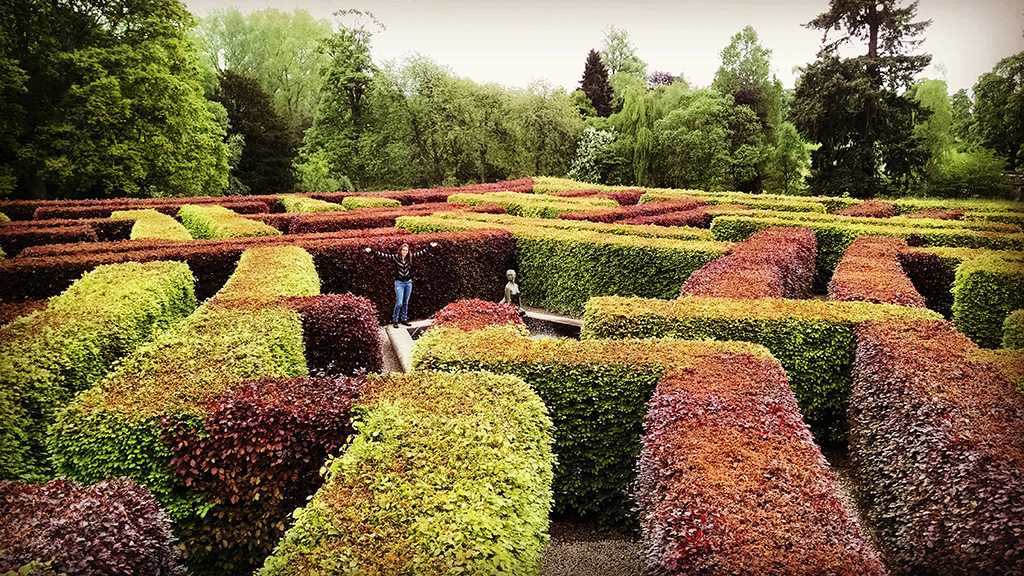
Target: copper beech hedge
774 263
937 442
870 271
607 215
474 314
869 209
731 482
107 230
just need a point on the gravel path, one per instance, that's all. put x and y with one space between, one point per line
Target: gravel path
578 548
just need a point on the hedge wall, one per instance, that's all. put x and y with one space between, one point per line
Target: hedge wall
112 527
429 195
937 442
560 270
51 355
474 314
294 203
15 239
986 290
608 215
730 481
354 202
774 263
698 218
597 393
340 333
1013 330
219 222
533 205
870 271
979 206
376 217
152 224
449 474
936 214
773 202
933 271
897 221
104 210
869 209
474 221
107 230
813 340
25 209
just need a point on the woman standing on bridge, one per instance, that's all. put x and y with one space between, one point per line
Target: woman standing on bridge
403 278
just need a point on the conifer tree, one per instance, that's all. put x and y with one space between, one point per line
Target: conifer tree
595 84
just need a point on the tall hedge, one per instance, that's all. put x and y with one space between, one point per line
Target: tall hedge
597 393
449 474
49 356
1013 330
293 203
871 271
533 205
985 292
152 224
474 220
937 443
813 340
219 222
14 239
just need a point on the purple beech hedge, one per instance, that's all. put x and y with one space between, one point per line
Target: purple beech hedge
870 271
15 239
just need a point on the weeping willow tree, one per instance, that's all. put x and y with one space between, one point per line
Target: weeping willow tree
635 123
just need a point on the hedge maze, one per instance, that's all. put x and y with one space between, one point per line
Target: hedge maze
202 377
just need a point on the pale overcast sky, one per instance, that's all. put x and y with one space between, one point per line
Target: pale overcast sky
513 43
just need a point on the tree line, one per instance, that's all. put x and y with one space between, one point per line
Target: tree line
105 98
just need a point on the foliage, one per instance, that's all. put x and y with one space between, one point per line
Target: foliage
595 84
950 508
340 333
149 223
53 354
532 205
999 109
731 482
266 273
592 152
449 474
354 202
813 340
618 55
14 240
790 161
869 209
871 271
1013 330
219 222
773 202
306 205
474 314
479 220
369 218
608 215
985 292
112 527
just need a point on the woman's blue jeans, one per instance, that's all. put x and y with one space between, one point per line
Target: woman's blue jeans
403 289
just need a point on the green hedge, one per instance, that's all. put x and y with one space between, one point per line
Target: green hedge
4 217
812 339
152 224
449 474
209 221
1009 362
1013 330
646 231
533 205
560 270
49 356
905 205
354 202
597 392
897 221
1015 218
986 290
773 202
265 274
834 238
304 204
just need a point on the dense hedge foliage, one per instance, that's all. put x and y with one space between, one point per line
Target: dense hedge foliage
773 202
774 263
608 215
294 203
376 217
474 221
112 527
812 339
597 393
51 355
430 195
870 271
474 314
533 205
896 221
26 209
938 444
152 224
340 333
700 217
986 290
355 202
623 197
936 214
101 210
560 270
220 222
266 273
933 271
13 239
869 209
106 230
906 205
449 474
730 481
1013 330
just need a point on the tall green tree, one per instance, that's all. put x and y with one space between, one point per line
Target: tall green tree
595 84
618 54
110 103
999 111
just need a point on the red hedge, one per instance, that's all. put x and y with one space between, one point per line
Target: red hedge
870 209
623 197
774 263
475 314
698 218
731 482
171 209
870 271
14 239
936 214
258 458
932 279
427 195
107 230
340 334
937 442
607 215
26 209
113 527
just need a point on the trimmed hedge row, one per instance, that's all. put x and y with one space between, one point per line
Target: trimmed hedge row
11 310
474 314
933 271
936 214
869 209
906 205
425 195
812 339
773 202
105 210
499 220
340 333
449 474
774 263
266 273
25 209
608 215
730 481
597 393
355 202
533 205
112 527
623 197
870 271
15 239
152 224
834 237
376 217
560 270
219 222
293 203
107 230
1013 330
698 217
1008 361
897 221
51 355
937 442
985 292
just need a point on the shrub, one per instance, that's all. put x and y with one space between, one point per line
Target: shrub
354 202
936 214
869 209
448 474
11 310
871 272
14 239
597 393
774 263
895 221
294 203
471 221
813 340
1013 330
697 218
4 217
730 481
986 290
152 224
106 230
266 273
51 355
112 527
533 205
105 209
340 333
219 222
773 202
906 205
937 442
638 211
377 217
561 270
474 314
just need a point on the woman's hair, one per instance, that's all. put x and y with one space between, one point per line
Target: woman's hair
399 252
